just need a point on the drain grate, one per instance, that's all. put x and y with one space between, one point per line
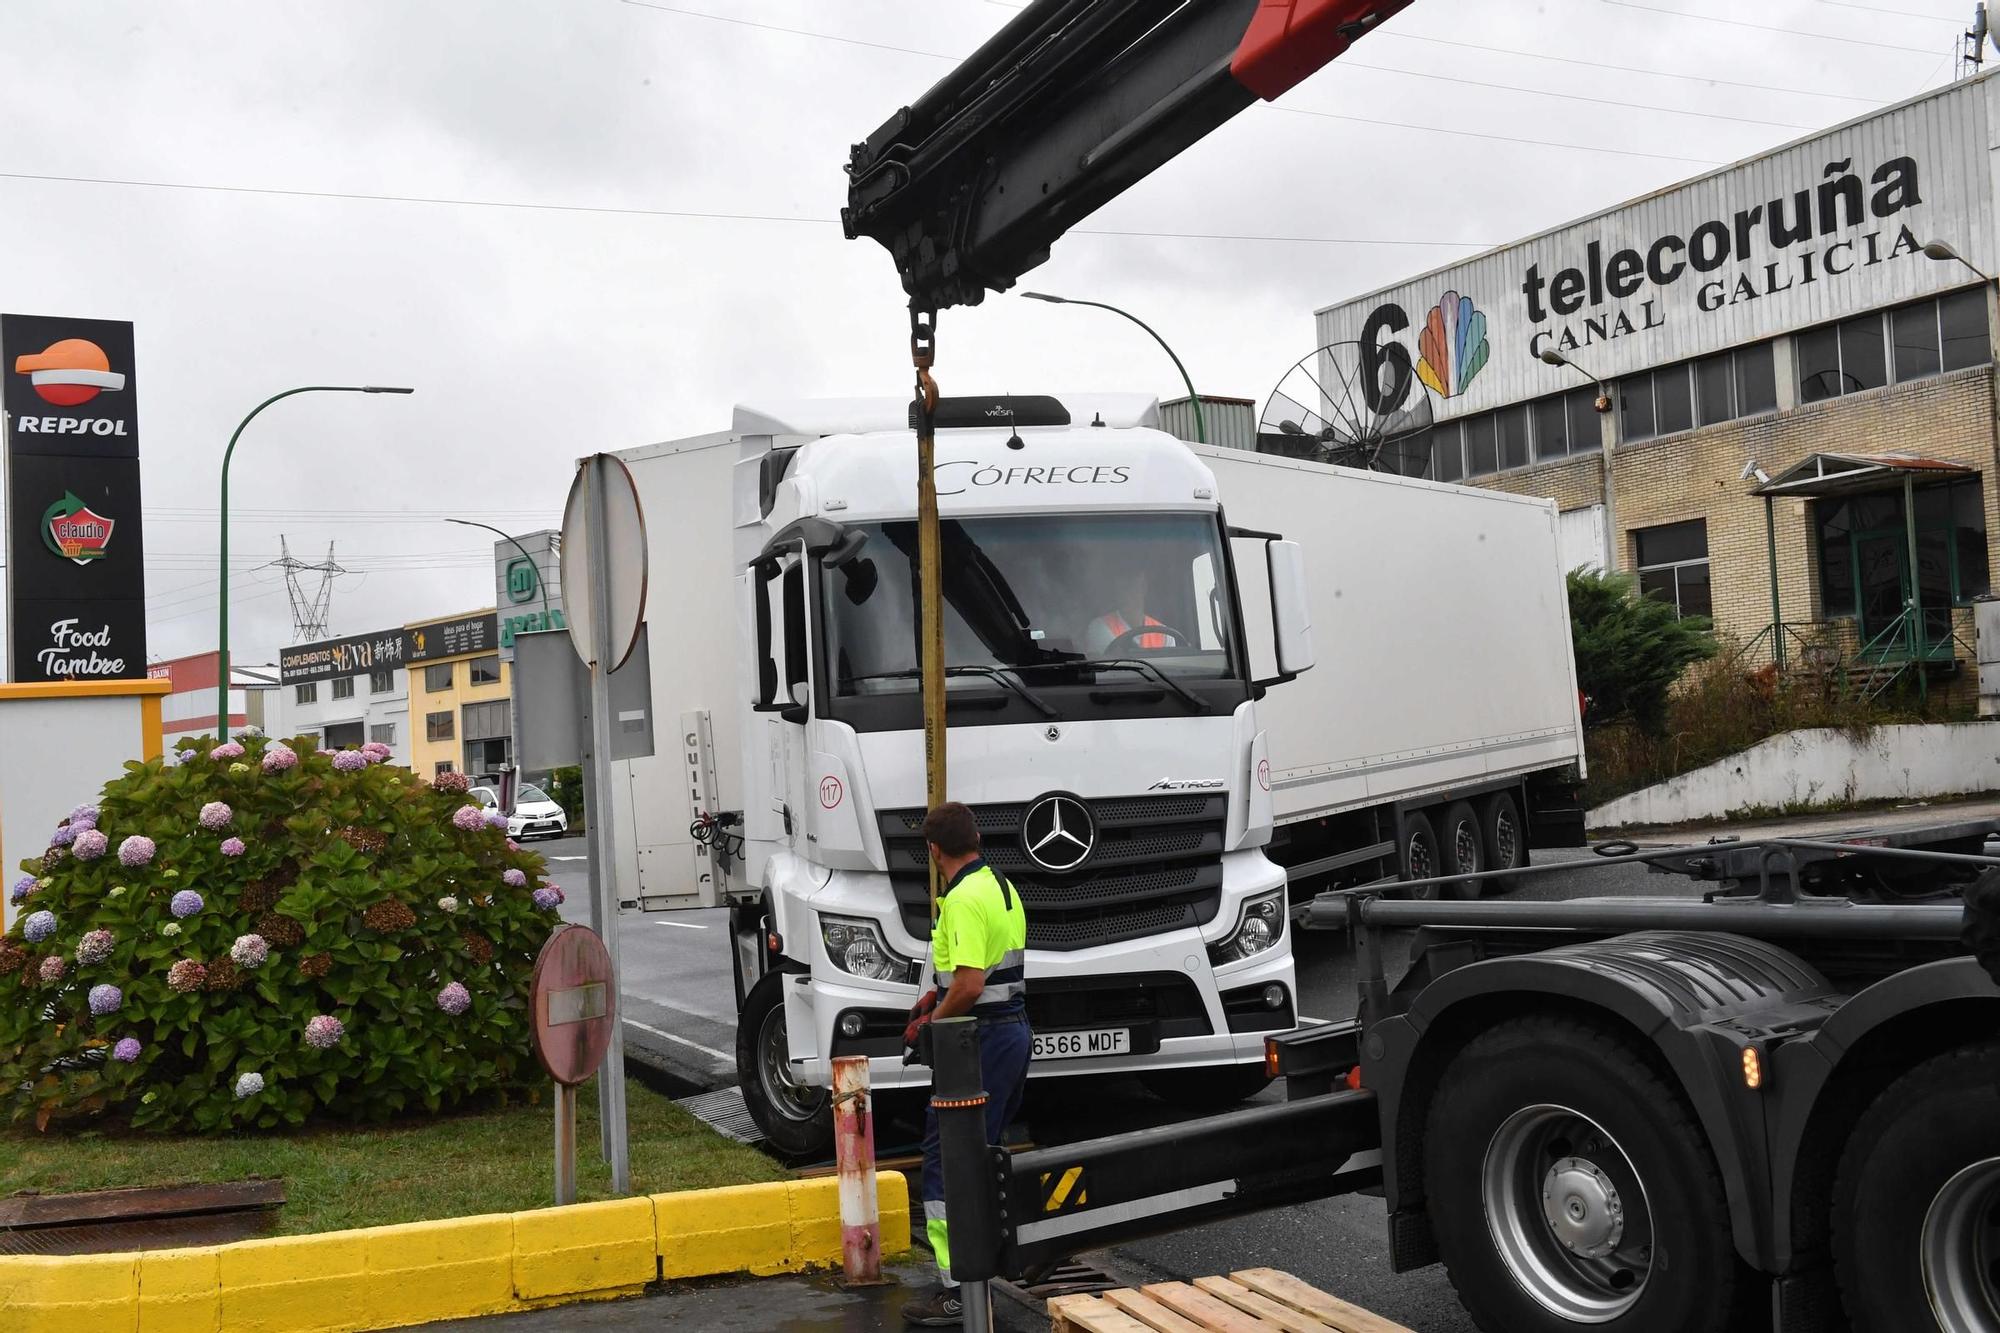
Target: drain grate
724 1112
146 1218
1072 1277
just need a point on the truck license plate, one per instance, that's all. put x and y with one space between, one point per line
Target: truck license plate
1072 1045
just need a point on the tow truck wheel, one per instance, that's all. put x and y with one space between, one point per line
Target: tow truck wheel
1560 1172
1916 1202
795 1117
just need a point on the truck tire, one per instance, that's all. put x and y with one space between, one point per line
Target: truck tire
1417 852
797 1120
1916 1199
1462 848
1569 1186
1505 836
1207 1089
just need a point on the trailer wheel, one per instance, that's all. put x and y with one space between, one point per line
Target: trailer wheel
1916 1201
1419 852
1505 836
796 1118
1568 1185
1463 848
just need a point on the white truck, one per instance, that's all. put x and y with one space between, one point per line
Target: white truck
1126 630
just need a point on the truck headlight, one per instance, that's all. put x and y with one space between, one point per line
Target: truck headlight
1261 925
856 947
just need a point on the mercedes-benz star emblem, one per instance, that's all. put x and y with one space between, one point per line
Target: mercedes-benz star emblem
1058 832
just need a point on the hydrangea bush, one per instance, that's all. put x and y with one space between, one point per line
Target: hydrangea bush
358 946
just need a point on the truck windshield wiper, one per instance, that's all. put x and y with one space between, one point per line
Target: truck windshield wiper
1012 682
1144 668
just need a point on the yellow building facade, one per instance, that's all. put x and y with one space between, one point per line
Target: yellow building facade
461 697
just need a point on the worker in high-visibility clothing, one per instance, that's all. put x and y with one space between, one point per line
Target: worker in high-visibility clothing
979 967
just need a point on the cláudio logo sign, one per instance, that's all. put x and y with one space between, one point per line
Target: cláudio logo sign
72 531
69 372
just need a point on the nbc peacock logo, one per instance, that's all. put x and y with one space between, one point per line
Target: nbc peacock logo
1453 347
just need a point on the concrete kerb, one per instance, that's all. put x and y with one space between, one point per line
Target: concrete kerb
418 1272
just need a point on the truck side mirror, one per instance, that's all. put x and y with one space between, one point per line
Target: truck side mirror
1291 614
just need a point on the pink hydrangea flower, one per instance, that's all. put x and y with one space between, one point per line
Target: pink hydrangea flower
470 818
127 1050
215 816
136 850
186 976
105 999
323 1032
454 999
349 761
452 784
513 846
94 947
53 968
227 750
278 758
376 753
515 879
232 847
250 951
90 844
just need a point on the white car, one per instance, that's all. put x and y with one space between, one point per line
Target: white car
535 815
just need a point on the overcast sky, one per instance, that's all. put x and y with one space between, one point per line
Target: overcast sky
536 329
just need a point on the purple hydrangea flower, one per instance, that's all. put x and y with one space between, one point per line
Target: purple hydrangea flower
136 850
323 1032
376 753
38 926
249 1085
227 750
90 844
232 847
53 968
215 816
349 761
94 947
64 835
546 898
250 950
469 818
185 756
126 1051
494 819
454 999
515 879
84 816
278 758
105 999
22 888
185 903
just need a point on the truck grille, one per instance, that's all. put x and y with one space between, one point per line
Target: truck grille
1157 867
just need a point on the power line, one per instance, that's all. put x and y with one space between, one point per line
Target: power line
1571 97
795 32
1499 138
1763 27
1623 69
1895 13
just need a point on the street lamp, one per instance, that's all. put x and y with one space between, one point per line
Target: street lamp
222 629
1944 253
1200 425
541 584
1553 356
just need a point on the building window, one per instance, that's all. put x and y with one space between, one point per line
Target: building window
1864 553
442 766
1741 382
1910 342
382 733
1673 564
307 693
437 678
437 726
487 720
382 682
343 687
484 670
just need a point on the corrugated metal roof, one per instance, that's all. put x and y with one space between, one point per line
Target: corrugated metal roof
1847 474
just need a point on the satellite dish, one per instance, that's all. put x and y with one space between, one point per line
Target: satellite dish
1323 409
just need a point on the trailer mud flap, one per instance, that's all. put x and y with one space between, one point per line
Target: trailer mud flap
1062 1201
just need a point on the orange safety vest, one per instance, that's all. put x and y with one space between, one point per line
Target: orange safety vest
1114 622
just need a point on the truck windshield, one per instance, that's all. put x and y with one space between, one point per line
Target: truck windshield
1072 597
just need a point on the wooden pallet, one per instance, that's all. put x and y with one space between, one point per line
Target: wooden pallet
1254 1300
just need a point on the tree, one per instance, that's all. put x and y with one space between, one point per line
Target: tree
1630 649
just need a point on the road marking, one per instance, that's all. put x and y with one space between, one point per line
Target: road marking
684 925
565 858
681 1041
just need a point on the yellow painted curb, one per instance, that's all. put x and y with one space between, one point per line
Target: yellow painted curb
388 1277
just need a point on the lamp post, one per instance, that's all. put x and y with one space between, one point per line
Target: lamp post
1552 356
541 584
222 628
1200 425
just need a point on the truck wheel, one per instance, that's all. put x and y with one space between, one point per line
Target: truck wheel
1463 848
1419 852
1569 1185
1505 836
1207 1089
796 1118
1916 1201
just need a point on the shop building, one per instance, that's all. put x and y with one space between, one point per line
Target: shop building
188 710
461 697
1767 391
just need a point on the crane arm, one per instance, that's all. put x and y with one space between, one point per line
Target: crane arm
1062 110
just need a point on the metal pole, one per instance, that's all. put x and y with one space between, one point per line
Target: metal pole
970 1206
1200 424
611 1078
930 611
1771 549
565 1143
541 584
854 1154
1915 606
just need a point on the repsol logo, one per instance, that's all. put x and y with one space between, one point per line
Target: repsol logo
68 426
989 474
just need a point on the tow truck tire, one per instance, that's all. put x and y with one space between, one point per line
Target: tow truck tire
797 1121
1505 836
1570 1188
1417 852
1207 1089
1462 846
1915 1198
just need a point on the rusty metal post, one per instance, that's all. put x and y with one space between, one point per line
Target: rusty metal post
854 1151
565 1143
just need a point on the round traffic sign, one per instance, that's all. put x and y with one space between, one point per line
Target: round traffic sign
619 568
574 1002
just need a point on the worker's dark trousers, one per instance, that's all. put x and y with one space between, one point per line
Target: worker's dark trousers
1004 1044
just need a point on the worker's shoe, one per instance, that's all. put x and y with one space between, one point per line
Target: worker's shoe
942 1307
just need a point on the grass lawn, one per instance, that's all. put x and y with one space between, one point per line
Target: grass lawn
495 1162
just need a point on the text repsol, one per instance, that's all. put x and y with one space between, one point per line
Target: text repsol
69 426
1082 474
